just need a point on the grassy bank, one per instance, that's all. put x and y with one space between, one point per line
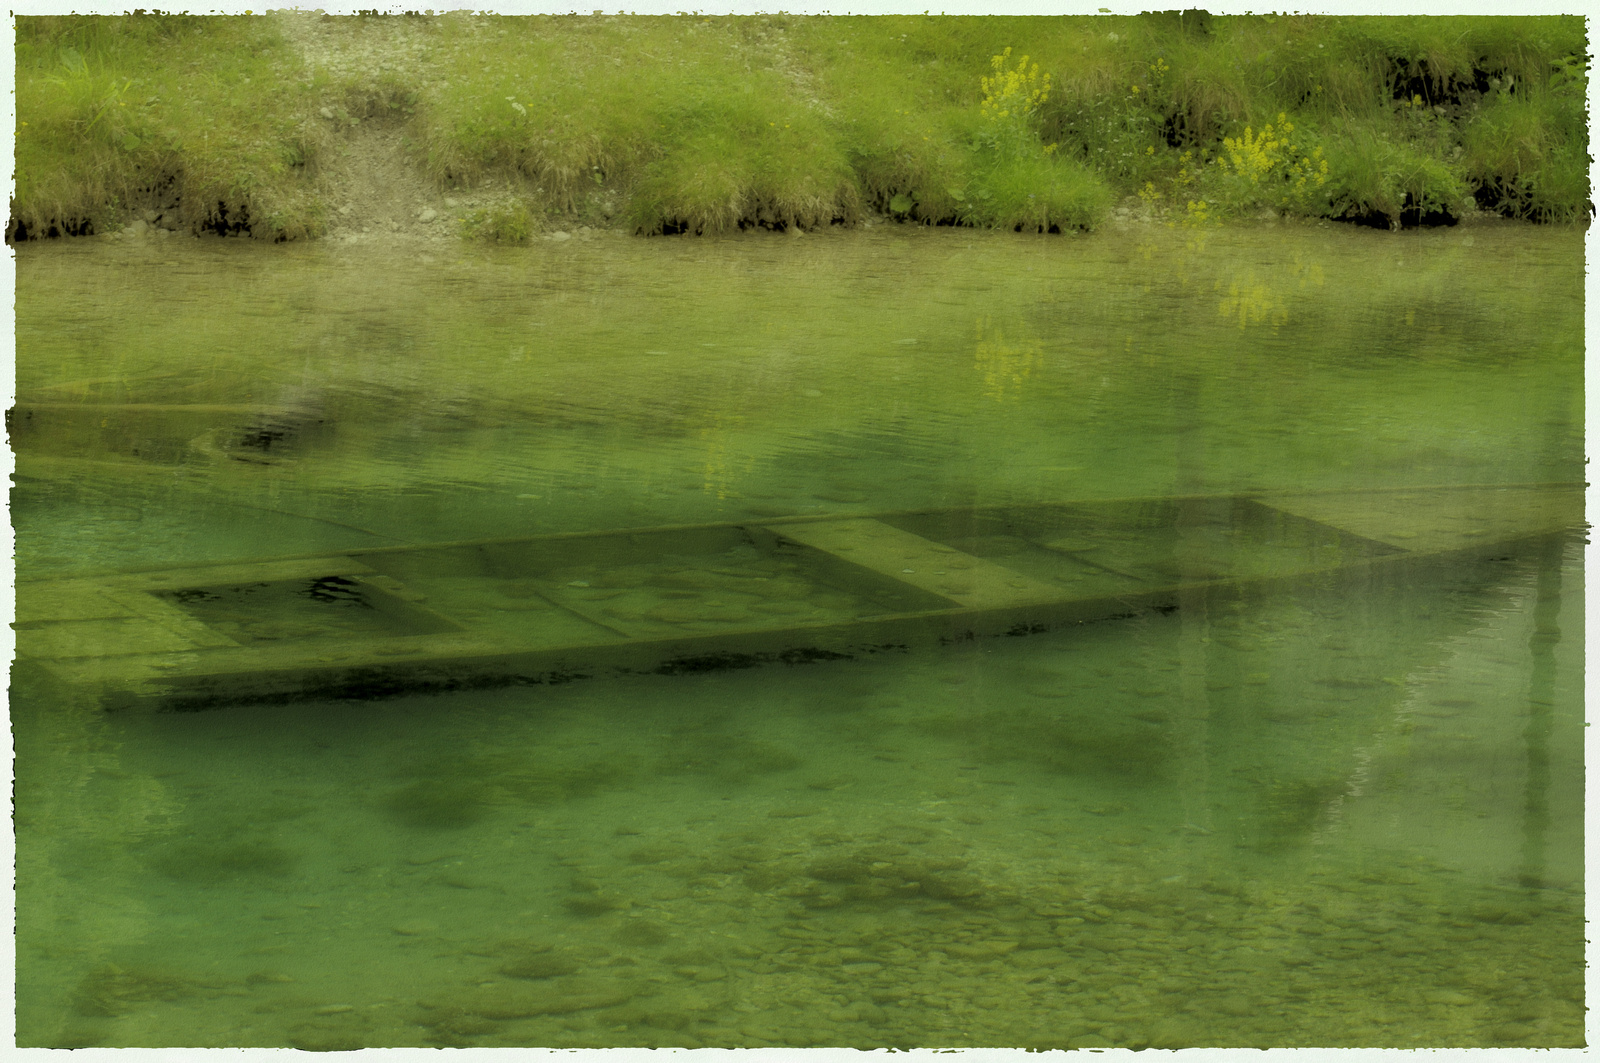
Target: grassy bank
685 124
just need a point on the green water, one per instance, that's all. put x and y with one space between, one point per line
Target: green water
1342 813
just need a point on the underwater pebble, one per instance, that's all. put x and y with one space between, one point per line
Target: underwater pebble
461 882
545 966
313 1038
510 1002
653 854
983 950
416 928
593 904
1446 996
1235 1005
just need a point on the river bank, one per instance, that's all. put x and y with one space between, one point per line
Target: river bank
297 125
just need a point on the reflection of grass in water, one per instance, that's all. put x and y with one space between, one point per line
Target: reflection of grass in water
1070 742
1289 809
461 791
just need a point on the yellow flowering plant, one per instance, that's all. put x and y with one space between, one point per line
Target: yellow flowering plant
1271 168
1012 97
1012 178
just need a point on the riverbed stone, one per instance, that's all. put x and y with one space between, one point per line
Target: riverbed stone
543 965
328 1036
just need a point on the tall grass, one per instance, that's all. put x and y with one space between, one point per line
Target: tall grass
209 115
702 125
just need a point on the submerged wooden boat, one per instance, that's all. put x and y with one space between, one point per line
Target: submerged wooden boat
384 621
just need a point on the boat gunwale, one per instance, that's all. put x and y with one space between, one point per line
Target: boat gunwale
775 522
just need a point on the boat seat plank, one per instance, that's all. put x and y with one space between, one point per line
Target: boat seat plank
101 638
39 601
966 580
168 616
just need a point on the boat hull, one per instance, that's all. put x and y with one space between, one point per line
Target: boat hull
549 609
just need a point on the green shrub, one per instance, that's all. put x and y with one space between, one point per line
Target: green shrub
1374 174
1018 182
1523 148
1279 167
1037 193
509 223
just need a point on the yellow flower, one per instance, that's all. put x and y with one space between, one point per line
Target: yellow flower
1012 93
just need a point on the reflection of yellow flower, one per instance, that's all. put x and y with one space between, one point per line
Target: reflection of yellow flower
1199 215
717 473
1247 296
1005 367
1252 302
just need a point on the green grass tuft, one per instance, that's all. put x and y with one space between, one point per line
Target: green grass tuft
1038 193
509 223
1377 175
119 113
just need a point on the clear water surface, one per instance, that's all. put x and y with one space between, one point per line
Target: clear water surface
1335 813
